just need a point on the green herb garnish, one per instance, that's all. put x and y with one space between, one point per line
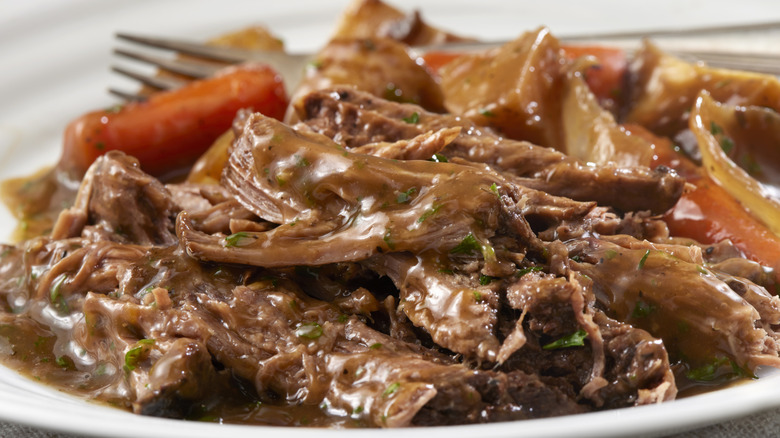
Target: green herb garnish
715 129
404 197
526 270
642 309
137 353
309 330
413 119
239 239
715 371
388 239
391 389
56 296
486 279
575 339
727 144
301 161
494 189
643 259
468 245
438 158
428 213
708 372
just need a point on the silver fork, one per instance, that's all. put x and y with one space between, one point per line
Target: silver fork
291 65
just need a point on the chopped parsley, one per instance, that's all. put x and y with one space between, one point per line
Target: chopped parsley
575 339
391 389
62 361
468 245
413 119
309 330
715 129
406 196
643 260
56 296
726 144
477 296
751 165
301 161
239 239
642 309
494 189
526 270
428 213
136 354
438 158
715 371
487 113
484 280
388 239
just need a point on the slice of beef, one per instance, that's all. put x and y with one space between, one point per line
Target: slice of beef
304 354
617 365
353 118
375 18
457 312
119 202
638 368
672 298
379 66
334 206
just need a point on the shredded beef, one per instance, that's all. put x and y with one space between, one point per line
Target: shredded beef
343 279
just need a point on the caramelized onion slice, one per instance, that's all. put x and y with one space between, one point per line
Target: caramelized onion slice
739 148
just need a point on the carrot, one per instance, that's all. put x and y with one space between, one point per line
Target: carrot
170 130
708 214
605 79
436 60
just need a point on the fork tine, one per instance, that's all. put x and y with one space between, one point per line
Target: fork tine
129 97
222 54
158 82
189 68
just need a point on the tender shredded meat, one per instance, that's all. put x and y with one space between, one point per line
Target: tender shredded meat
337 275
353 118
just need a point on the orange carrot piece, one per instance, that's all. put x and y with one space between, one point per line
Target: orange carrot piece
170 130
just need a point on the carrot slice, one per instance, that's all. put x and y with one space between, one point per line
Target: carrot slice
708 214
170 130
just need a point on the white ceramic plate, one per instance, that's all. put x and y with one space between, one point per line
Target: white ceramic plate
55 55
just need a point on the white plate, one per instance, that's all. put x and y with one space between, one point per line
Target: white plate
55 55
